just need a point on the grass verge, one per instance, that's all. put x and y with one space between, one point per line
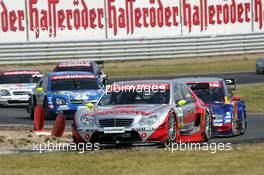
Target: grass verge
242 160
253 95
215 64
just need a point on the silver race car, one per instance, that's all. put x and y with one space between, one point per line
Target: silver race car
16 86
144 111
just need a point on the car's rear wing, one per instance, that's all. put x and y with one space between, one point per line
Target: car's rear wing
231 82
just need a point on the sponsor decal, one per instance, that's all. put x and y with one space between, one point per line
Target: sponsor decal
75 65
120 111
215 85
53 17
114 130
21 73
76 76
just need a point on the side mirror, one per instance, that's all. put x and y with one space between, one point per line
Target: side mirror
90 105
236 98
182 103
40 90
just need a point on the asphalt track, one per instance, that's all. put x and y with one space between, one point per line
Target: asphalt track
18 117
241 77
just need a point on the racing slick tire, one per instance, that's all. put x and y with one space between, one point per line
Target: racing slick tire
235 127
207 134
243 124
47 114
31 107
172 129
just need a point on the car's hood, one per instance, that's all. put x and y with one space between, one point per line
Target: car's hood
18 87
127 110
81 95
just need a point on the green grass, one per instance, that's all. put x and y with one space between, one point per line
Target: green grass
242 160
182 66
253 95
215 64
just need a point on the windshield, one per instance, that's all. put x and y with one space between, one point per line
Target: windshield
208 93
16 79
75 84
136 96
260 60
74 69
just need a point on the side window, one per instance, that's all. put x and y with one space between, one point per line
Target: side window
177 94
227 90
45 83
40 83
187 94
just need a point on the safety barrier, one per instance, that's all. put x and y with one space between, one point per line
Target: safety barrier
148 48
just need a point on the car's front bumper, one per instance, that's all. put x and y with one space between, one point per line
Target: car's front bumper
130 135
68 110
222 131
22 100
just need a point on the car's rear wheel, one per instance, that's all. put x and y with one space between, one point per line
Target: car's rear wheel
207 127
243 124
235 124
172 129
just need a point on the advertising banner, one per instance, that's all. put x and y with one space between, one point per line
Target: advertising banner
77 20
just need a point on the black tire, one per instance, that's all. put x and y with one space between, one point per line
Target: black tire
243 125
235 127
47 114
105 81
31 107
208 127
172 129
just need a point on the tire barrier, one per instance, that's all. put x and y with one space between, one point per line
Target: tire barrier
59 126
38 118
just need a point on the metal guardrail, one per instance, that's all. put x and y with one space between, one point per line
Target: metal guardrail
102 50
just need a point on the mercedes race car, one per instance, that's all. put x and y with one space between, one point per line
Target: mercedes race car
66 92
92 67
229 111
16 86
144 111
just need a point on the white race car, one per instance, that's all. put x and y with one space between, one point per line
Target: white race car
16 86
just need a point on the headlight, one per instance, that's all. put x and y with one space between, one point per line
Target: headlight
146 121
5 93
60 101
87 121
218 116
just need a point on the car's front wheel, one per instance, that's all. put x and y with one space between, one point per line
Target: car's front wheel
47 114
172 129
